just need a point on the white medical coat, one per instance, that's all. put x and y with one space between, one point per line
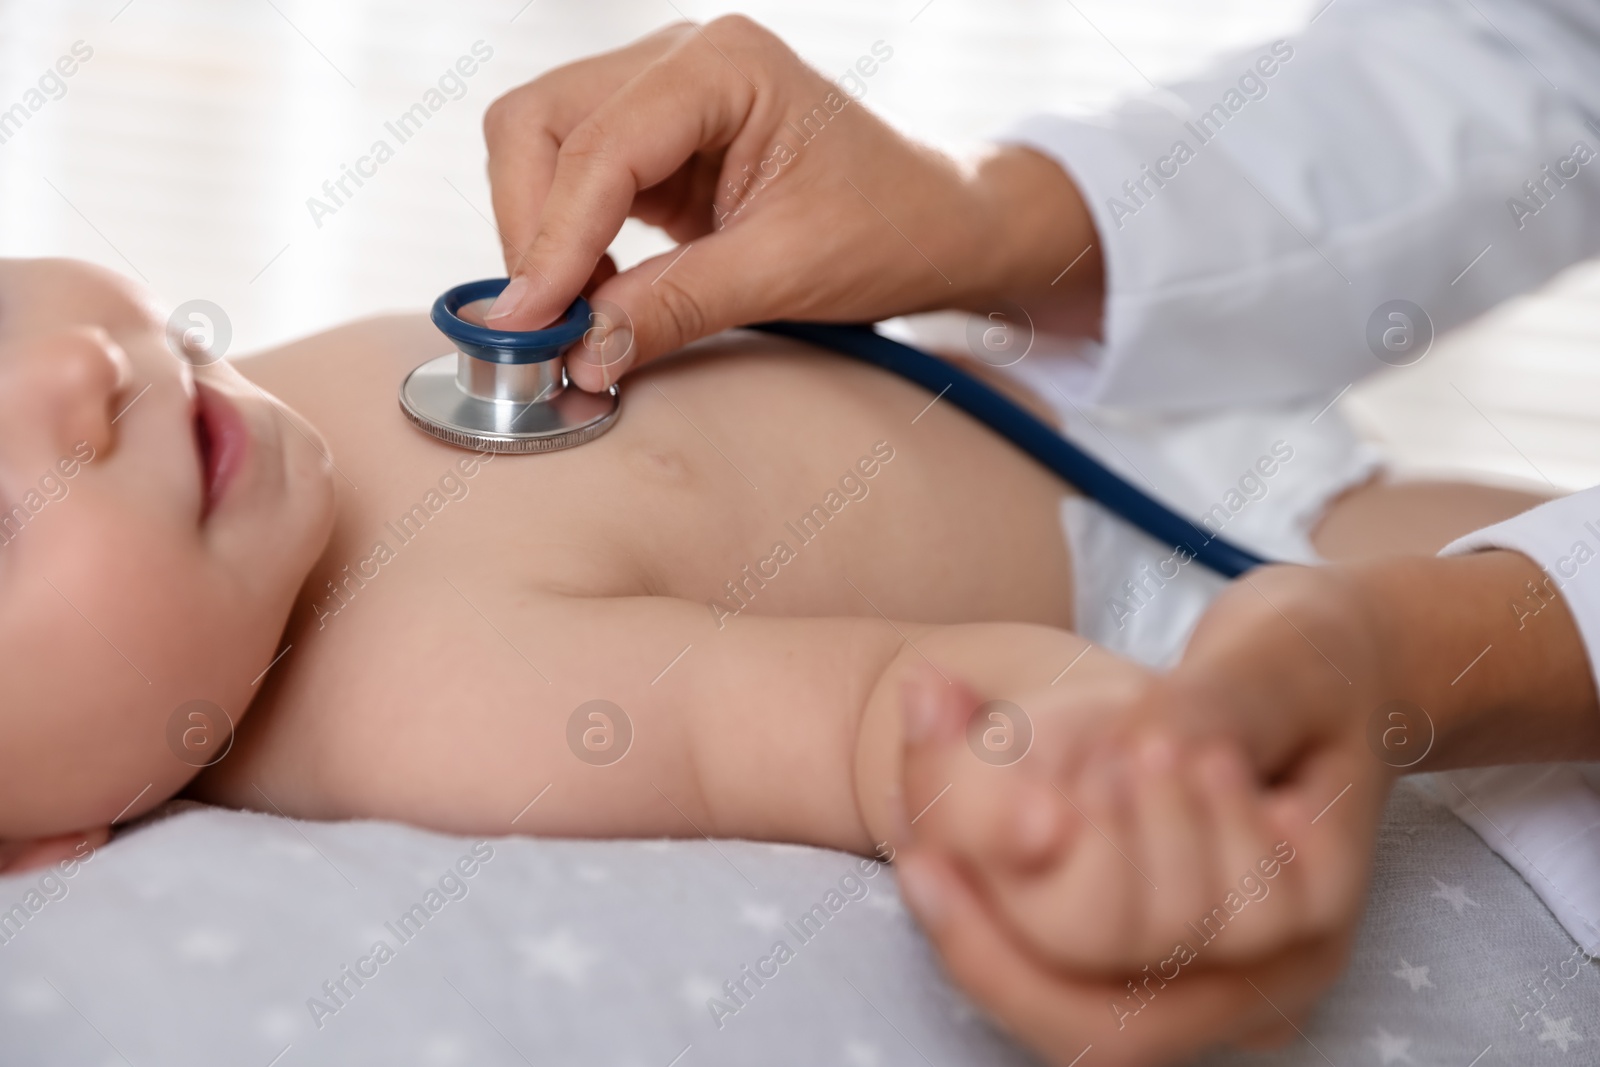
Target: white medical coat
1254 223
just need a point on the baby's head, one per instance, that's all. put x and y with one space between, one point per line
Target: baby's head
153 535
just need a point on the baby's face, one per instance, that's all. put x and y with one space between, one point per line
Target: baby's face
156 522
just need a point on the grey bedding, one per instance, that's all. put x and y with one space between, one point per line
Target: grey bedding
211 937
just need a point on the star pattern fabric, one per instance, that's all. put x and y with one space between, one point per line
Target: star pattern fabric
1391 1048
200 938
1454 963
1455 896
1415 977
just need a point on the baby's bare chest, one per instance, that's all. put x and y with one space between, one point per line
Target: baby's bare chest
415 654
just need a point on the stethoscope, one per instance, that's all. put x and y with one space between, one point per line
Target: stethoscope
506 391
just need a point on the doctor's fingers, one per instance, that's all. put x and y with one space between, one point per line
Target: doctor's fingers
524 130
1059 1013
1323 823
1259 911
1008 810
729 278
980 787
696 98
1000 820
1122 894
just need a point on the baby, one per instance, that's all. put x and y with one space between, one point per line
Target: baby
746 611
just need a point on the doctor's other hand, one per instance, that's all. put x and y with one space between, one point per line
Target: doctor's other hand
1326 683
787 197
1148 911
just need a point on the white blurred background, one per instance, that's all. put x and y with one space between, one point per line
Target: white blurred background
183 153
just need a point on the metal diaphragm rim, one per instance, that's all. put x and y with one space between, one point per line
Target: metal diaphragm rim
435 404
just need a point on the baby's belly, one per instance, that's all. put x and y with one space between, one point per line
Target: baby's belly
789 482
755 477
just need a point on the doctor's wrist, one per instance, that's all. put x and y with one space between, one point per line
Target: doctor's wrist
1036 243
1495 687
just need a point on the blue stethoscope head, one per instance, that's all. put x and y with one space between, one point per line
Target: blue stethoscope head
459 315
504 390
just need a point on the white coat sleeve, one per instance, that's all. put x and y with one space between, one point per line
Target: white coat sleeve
1254 221
1544 820
1563 538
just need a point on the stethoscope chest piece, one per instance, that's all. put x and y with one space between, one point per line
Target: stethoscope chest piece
504 391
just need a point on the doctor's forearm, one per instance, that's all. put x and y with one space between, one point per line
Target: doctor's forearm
1499 684
1038 246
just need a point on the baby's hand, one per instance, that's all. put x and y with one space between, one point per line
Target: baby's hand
1124 883
1191 849
1105 848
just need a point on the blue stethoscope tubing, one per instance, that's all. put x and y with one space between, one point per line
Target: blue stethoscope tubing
1036 438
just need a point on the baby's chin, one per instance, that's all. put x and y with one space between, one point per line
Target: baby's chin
313 460
309 482
319 454
307 458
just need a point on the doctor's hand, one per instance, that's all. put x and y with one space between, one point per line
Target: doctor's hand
1326 683
1187 907
788 199
1205 834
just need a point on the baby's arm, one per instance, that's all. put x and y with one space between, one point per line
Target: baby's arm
793 731
783 729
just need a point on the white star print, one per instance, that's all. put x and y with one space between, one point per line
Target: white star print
560 954
862 1054
444 1049
697 989
1391 1048
885 903
295 849
1560 1032
1415 977
761 916
205 945
33 998
1456 895
277 1023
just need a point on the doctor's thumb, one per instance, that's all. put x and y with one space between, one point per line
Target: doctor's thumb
660 305
530 301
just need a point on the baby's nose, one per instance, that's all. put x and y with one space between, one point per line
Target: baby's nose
64 385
